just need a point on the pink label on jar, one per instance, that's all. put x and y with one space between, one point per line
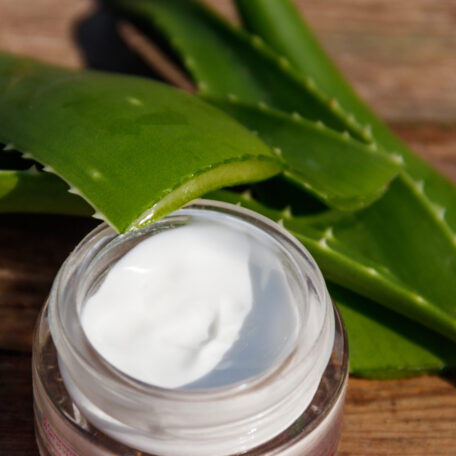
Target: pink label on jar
55 441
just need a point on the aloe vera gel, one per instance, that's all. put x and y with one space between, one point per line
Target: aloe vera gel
210 332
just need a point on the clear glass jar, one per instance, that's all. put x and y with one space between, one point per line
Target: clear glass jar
84 406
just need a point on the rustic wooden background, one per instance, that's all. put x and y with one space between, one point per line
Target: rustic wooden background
400 54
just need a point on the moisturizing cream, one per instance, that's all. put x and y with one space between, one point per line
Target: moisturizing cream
210 332
171 311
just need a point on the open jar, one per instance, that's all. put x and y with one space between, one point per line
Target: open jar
278 391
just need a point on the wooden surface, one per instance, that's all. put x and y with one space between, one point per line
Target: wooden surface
400 54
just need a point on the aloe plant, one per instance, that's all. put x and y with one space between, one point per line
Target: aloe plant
133 148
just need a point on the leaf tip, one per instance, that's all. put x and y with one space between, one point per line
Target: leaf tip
277 151
398 158
310 83
257 41
284 63
286 213
262 106
74 191
48 169
367 131
247 195
33 171
134 101
8 147
99 216
333 104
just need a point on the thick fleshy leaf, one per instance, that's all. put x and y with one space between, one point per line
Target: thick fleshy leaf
384 344
37 192
344 173
224 60
279 23
133 148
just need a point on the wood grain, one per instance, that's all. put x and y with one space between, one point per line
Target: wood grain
402 417
32 248
401 55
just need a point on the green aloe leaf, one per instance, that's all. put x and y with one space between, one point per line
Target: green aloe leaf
133 148
384 344
280 24
344 173
34 191
224 60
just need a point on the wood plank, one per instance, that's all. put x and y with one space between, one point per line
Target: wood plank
399 417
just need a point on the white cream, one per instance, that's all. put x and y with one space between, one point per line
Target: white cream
171 308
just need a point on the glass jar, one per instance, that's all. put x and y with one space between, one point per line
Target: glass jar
84 406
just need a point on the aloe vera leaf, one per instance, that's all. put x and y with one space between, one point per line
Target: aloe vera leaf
384 344
37 192
280 24
134 149
344 173
395 264
224 60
